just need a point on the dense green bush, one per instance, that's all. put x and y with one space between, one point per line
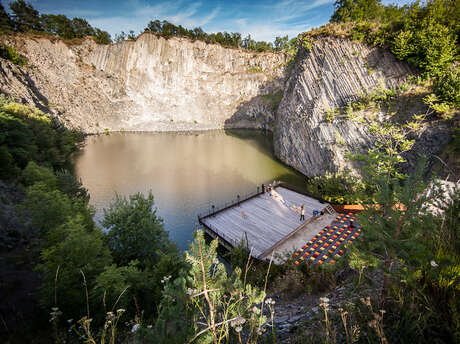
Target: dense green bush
425 35
135 230
447 86
25 18
339 188
28 134
74 260
6 25
9 53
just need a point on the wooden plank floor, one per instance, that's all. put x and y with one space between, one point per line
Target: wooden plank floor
268 218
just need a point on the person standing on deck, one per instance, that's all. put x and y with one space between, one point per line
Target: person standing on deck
302 213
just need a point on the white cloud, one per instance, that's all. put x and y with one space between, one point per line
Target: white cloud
177 12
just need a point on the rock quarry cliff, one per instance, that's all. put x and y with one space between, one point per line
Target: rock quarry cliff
157 84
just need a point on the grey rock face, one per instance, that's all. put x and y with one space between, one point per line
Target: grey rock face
147 84
332 74
154 84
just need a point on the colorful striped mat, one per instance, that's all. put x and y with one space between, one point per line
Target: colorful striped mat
329 244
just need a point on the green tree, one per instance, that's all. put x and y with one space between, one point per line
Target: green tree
447 86
79 251
356 10
8 168
102 37
145 286
120 284
281 43
6 24
34 174
31 134
135 232
47 208
81 28
340 188
436 49
25 16
71 186
120 37
58 25
131 35
15 136
386 156
208 305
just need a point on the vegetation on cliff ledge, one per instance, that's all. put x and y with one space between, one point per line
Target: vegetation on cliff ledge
426 35
25 18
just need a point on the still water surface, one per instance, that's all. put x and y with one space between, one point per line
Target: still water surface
187 172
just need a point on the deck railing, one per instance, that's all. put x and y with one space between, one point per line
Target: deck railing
239 199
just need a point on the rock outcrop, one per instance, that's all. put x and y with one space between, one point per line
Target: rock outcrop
146 85
154 84
332 74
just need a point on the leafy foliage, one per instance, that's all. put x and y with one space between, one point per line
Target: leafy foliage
232 39
339 188
81 251
385 158
207 304
425 35
28 134
6 25
356 10
25 18
135 230
447 86
9 53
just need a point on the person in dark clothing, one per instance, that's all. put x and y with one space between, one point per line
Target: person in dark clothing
302 213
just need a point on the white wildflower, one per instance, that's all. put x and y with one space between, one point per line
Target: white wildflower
270 301
135 327
70 321
238 329
216 261
121 310
434 264
149 326
324 299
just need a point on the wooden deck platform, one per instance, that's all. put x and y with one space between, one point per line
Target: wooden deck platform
262 220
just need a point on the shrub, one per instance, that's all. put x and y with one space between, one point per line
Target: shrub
34 174
70 264
447 86
47 208
135 231
339 188
9 53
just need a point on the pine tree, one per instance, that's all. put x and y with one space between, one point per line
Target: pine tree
209 305
25 16
6 24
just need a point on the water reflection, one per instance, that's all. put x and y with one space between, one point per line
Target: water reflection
187 172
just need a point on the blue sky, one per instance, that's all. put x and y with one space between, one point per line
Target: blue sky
263 19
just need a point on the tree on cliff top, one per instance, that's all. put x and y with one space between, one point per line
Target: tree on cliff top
25 16
5 21
356 10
